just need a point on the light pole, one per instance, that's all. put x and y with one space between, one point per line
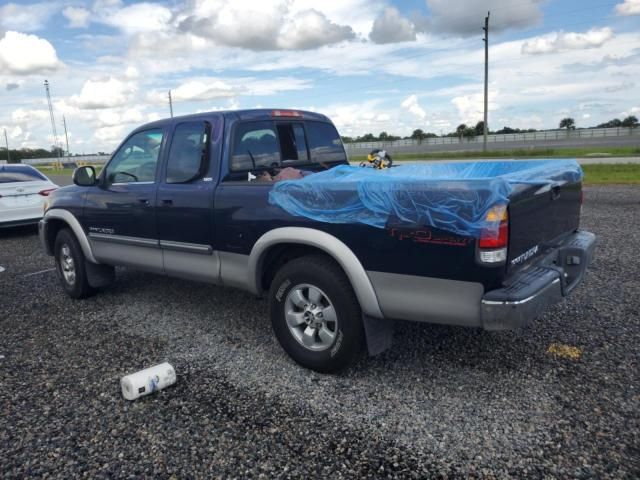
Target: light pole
64 123
6 142
53 122
486 80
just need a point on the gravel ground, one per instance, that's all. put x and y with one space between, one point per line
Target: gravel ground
444 402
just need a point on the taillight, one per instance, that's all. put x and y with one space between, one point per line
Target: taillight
497 239
493 242
46 192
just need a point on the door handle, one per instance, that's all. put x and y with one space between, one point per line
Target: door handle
167 201
144 201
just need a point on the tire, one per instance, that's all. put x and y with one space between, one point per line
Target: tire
300 300
70 265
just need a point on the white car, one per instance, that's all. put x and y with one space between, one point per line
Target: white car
23 192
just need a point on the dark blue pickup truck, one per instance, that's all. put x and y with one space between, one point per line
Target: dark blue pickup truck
189 197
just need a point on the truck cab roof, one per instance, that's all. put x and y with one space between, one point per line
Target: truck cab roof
236 115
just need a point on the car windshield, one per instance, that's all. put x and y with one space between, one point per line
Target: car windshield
20 174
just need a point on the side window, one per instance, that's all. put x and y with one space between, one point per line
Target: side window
254 146
292 143
137 159
325 144
187 153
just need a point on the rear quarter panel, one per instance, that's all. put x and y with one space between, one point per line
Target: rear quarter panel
243 214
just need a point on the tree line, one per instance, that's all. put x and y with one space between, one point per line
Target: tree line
465 131
17 155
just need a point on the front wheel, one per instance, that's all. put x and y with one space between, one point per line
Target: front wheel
315 314
70 265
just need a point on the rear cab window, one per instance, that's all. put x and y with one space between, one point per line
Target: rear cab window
260 146
20 174
325 144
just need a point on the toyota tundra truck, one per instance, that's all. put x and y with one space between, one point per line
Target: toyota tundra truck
188 197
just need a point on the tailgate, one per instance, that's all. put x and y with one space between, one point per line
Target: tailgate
538 215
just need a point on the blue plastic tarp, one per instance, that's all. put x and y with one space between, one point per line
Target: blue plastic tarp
451 196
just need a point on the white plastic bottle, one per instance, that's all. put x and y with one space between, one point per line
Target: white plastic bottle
147 381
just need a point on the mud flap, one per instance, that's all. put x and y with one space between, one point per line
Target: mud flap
99 275
379 334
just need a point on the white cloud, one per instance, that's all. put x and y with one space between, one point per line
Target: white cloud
132 115
391 27
131 73
26 54
411 105
471 107
26 18
212 88
311 29
628 7
24 116
271 86
358 14
136 18
15 132
113 117
560 41
78 17
262 25
109 118
109 135
104 93
197 90
465 17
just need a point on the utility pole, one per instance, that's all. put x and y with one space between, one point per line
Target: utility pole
53 122
64 123
486 80
6 142
170 104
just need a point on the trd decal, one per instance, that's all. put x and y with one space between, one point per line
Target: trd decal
427 236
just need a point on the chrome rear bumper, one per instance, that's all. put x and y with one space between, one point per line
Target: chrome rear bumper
527 294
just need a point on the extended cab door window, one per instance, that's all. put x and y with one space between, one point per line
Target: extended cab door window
255 146
188 152
137 159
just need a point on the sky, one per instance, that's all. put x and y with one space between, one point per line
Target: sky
370 65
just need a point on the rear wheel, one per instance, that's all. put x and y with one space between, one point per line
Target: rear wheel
315 314
70 265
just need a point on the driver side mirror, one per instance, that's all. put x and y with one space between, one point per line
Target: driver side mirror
85 176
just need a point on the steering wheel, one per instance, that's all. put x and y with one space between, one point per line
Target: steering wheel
128 174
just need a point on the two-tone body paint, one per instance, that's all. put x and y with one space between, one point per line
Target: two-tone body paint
208 229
